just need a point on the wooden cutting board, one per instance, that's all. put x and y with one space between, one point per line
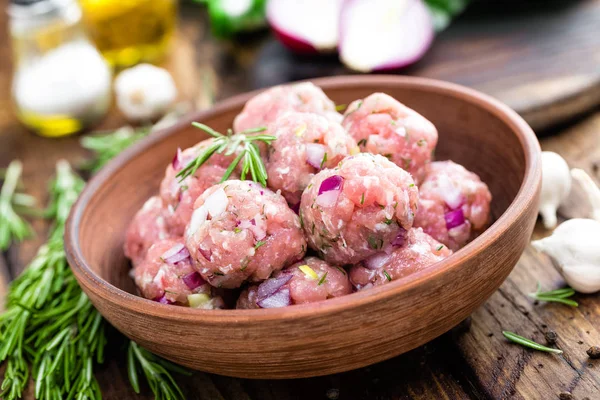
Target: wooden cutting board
540 57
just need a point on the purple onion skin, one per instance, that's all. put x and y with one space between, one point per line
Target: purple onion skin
296 208
281 298
193 280
334 182
454 218
400 238
205 253
176 163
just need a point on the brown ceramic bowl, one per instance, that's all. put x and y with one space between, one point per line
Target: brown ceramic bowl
338 334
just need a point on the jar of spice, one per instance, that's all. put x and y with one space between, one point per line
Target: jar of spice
61 83
129 32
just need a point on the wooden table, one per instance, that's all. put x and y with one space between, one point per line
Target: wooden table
472 361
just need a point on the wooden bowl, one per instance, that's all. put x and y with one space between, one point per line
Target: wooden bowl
338 334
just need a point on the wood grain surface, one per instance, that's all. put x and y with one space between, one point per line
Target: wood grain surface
472 362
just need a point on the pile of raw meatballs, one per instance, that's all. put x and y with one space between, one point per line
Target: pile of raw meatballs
353 201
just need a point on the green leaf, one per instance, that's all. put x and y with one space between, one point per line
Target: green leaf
443 11
513 337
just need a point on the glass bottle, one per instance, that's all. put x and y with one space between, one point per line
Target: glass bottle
128 32
61 83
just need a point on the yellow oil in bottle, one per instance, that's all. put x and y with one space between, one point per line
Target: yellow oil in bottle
130 31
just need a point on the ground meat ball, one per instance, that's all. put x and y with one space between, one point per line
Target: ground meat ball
166 275
179 197
357 209
307 281
418 251
267 106
305 144
147 227
241 231
382 125
453 204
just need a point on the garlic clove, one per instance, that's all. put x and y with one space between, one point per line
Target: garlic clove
556 185
591 189
584 278
144 92
574 248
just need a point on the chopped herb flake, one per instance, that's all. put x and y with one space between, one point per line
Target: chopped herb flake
324 160
218 273
441 246
237 230
258 244
342 270
375 243
387 276
411 185
362 199
362 142
421 142
322 280
387 221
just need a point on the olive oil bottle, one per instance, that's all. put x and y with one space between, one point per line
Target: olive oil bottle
128 32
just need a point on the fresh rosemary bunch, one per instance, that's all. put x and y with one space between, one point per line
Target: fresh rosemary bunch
12 205
243 143
49 322
157 373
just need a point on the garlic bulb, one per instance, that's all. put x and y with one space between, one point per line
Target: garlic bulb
556 185
592 191
574 248
144 92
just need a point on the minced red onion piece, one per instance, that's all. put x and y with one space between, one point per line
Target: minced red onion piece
175 254
193 280
272 285
376 261
400 238
281 298
163 300
333 183
177 162
205 253
454 218
314 154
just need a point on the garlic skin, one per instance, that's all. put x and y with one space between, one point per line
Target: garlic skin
144 92
556 185
574 247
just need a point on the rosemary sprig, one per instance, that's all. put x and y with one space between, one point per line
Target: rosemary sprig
244 145
513 337
49 322
157 372
106 145
557 296
12 204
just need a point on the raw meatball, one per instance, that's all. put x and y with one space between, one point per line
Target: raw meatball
166 275
179 197
305 144
418 251
307 281
147 227
241 231
453 204
382 125
267 106
358 208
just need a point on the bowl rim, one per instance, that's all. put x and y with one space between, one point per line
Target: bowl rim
526 194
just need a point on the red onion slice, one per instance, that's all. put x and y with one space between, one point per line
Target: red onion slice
272 285
193 280
296 208
454 218
314 154
376 261
400 238
205 253
333 183
280 298
176 254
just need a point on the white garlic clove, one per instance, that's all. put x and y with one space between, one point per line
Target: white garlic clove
574 247
144 92
556 185
584 278
591 189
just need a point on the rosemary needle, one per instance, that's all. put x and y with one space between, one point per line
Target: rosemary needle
513 337
557 296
